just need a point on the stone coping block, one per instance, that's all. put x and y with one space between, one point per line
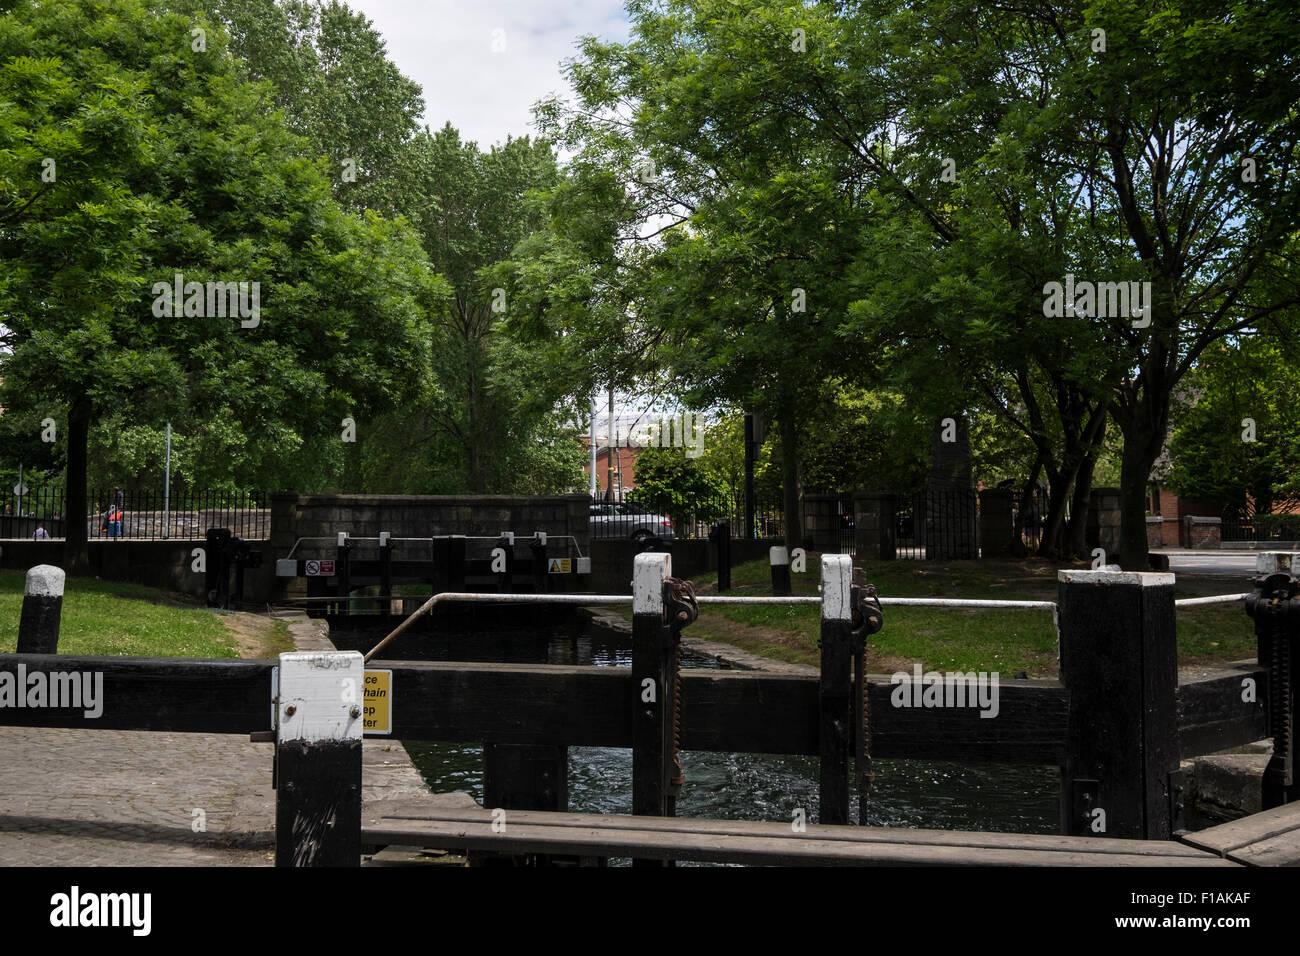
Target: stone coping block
1146 579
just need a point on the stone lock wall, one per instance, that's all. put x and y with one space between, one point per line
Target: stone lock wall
1155 532
1203 532
422 516
1103 521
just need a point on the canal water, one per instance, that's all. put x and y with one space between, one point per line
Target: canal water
907 793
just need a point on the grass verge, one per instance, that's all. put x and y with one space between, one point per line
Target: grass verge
114 618
1007 641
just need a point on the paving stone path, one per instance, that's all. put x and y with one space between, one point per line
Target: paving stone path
135 798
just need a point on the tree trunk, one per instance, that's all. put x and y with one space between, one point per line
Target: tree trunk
1076 544
1049 543
76 548
1019 548
1141 448
790 482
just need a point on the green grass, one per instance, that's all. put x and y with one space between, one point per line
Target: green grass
110 618
950 639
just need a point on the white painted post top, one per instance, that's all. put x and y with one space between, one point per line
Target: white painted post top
1146 579
383 539
778 555
325 692
837 584
45 580
1269 562
343 539
649 572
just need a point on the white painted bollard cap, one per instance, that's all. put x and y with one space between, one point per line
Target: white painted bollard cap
45 580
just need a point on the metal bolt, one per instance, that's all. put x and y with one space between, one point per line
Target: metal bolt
290 710
355 711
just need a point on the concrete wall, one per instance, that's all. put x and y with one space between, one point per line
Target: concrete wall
997 529
423 516
12 526
611 560
159 564
1103 521
1203 532
1155 532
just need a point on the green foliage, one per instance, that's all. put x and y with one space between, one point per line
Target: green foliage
1254 379
491 417
168 162
334 84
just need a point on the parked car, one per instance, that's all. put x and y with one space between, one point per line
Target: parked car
621 519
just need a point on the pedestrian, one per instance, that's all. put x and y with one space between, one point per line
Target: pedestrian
41 533
1030 523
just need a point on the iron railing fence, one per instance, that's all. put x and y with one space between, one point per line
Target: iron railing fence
139 514
691 517
1261 528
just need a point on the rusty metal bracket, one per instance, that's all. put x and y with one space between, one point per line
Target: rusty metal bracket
866 617
1275 608
680 606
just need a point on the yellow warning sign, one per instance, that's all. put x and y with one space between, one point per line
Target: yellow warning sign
560 566
377 711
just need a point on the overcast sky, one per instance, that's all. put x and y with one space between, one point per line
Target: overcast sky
447 47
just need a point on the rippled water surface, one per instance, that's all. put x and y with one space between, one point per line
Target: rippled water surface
907 793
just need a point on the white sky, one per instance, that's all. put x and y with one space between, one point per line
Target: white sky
446 47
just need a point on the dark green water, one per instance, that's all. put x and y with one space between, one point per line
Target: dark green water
907 793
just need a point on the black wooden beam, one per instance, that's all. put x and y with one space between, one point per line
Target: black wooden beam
1215 712
724 711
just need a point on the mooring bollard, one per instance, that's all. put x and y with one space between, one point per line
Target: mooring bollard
1119 661
38 626
216 584
386 577
779 558
835 689
1275 609
661 607
318 759
541 582
721 536
344 571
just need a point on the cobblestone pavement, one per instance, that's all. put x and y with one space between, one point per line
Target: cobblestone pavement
134 798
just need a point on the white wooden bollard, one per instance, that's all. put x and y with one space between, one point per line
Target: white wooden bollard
779 558
38 626
319 720
653 685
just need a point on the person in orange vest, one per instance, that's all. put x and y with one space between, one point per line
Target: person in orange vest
114 514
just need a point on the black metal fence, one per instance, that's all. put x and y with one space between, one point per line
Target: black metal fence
1261 528
136 514
690 517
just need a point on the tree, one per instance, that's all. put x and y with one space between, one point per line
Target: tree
1167 173
331 78
1239 442
745 239
165 162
